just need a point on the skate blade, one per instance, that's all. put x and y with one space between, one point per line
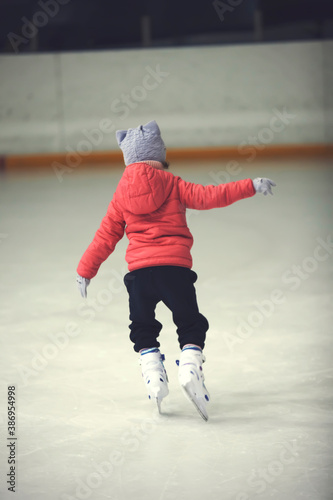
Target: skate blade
156 396
158 403
200 408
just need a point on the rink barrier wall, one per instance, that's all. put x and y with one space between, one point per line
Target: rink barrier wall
214 96
21 162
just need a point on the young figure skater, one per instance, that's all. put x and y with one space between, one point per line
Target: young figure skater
149 204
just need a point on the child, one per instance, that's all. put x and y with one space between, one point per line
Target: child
149 205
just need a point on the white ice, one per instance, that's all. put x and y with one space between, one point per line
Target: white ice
85 428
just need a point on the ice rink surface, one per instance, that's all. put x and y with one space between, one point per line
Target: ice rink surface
84 425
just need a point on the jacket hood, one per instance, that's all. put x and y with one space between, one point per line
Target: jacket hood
143 189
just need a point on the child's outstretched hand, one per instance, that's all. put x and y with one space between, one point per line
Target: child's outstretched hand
82 284
263 185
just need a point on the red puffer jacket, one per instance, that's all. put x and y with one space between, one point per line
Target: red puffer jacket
150 204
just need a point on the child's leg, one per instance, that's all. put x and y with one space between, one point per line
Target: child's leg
176 288
144 332
142 303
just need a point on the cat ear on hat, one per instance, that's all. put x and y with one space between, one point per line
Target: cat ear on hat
120 135
152 127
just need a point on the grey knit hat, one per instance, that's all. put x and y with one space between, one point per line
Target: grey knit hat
141 143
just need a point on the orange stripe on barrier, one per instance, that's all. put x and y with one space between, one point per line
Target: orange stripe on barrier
70 160
73 160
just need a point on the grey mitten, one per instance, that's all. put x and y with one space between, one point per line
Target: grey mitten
82 284
263 185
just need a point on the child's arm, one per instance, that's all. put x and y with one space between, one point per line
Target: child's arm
206 197
107 236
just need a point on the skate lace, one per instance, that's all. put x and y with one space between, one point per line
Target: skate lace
153 366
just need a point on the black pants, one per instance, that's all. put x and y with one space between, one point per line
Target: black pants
172 285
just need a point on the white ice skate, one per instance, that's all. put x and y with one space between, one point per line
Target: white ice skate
154 375
191 378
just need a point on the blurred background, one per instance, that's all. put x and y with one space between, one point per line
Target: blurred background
85 25
217 74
